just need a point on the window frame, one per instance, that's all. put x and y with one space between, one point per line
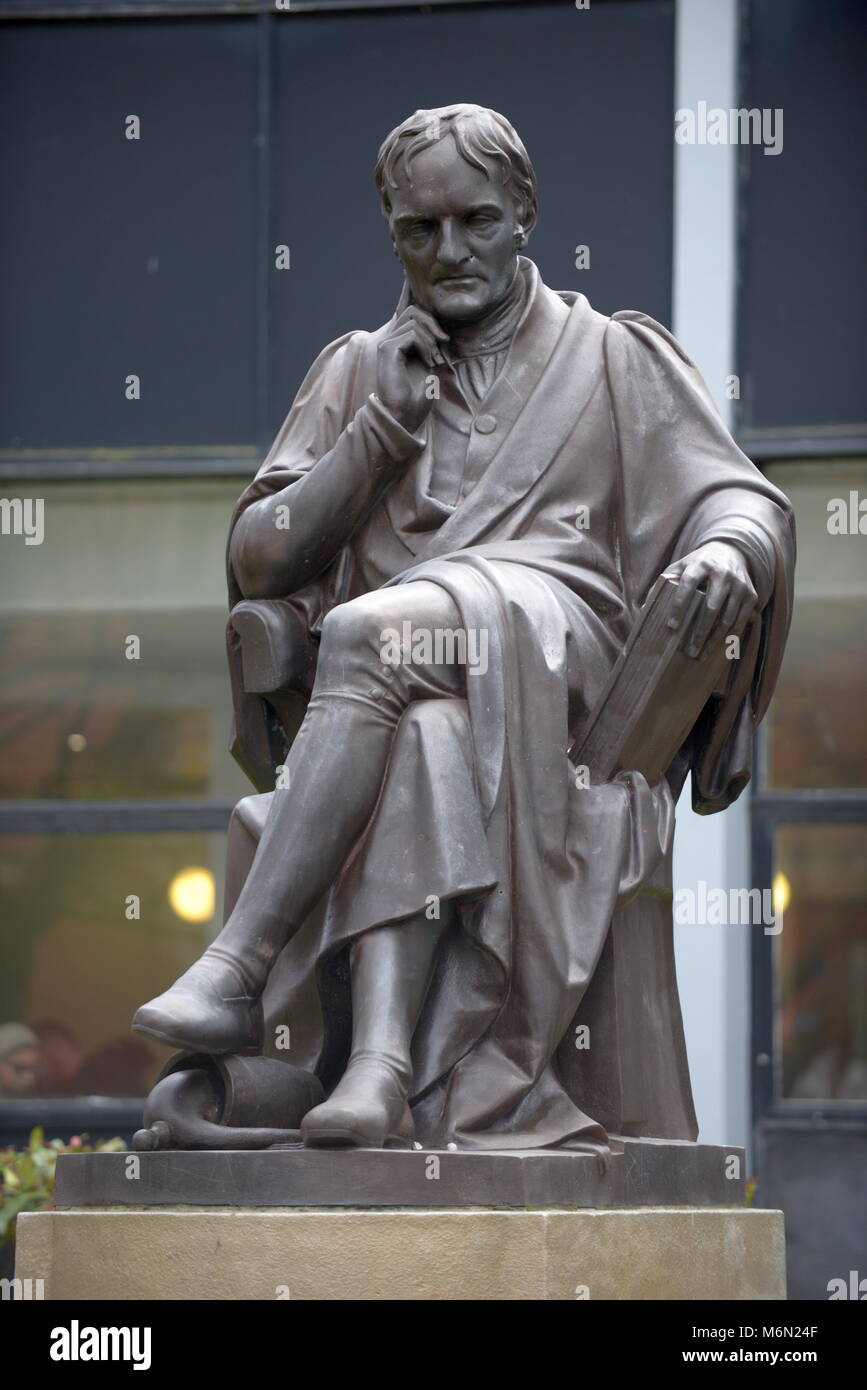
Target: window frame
768 811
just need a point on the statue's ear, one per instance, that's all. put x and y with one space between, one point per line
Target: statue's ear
525 219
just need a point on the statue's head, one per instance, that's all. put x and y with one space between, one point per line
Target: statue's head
459 194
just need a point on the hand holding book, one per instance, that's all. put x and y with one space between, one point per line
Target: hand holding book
730 600
677 657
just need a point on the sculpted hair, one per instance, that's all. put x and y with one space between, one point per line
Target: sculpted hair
484 138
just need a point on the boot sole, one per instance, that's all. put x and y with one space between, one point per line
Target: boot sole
346 1139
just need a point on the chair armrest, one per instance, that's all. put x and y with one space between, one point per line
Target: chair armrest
276 651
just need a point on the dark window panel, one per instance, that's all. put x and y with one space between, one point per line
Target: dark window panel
803 316
122 256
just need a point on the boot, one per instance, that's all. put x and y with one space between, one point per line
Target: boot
213 1007
391 970
367 1109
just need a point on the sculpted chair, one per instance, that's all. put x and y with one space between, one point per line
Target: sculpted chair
635 1078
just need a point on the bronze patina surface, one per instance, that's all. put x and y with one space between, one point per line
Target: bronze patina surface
432 578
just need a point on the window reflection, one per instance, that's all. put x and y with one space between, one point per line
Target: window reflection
91 926
816 733
114 680
821 962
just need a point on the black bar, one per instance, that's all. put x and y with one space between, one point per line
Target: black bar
803 441
111 817
240 465
819 806
170 9
99 1117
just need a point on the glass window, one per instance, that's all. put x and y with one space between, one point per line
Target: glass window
114 681
816 732
91 927
812 804
820 882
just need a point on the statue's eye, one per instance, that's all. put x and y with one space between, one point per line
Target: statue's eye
420 230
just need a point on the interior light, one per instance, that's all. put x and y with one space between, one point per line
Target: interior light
191 894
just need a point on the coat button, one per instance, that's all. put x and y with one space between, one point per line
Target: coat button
485 424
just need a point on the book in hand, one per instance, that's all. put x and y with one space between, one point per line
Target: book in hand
655 692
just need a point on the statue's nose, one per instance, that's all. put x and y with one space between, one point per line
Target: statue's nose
452 249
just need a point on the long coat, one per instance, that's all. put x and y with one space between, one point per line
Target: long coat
602 459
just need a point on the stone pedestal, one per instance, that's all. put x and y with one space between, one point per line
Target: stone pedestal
656 1220
435 1254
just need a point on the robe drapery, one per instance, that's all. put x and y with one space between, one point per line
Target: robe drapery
596 459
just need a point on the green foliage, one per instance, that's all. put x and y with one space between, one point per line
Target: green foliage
27 1175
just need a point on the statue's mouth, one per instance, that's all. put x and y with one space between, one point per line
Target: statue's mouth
458 281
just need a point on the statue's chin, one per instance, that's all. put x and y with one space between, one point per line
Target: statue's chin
459 308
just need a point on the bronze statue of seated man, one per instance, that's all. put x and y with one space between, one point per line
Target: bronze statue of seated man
503 473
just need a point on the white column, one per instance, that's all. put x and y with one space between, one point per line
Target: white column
712 962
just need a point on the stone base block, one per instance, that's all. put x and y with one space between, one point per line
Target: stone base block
469 1254
640 1173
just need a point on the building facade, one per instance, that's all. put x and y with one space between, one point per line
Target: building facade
189 217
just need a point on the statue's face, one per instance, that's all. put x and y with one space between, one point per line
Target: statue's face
454 230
